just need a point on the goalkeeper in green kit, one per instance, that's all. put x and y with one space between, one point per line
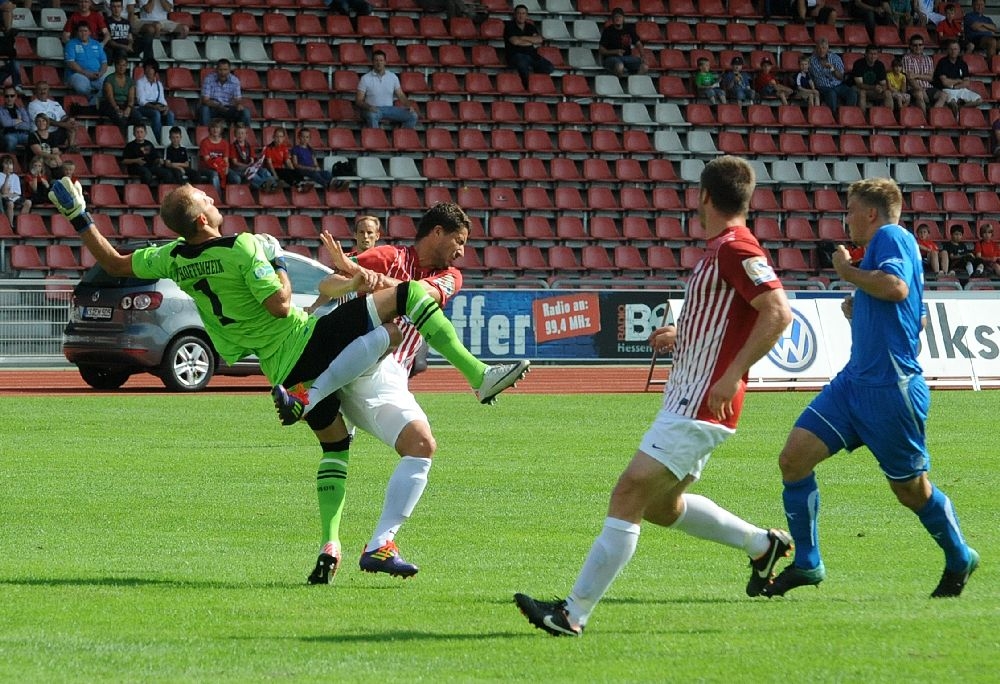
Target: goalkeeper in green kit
241 288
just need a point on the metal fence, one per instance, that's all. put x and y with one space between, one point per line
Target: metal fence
33 314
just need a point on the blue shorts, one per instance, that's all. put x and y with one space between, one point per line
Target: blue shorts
888 419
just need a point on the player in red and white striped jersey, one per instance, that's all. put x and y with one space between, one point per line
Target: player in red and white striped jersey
735 309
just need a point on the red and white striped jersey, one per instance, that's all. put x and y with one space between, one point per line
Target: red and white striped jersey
401 263
716 321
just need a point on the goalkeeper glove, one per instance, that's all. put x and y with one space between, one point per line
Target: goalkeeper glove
67 195
272 250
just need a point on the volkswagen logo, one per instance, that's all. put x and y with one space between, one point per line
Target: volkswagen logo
795 350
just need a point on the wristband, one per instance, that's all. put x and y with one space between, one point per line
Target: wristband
280 264
82 222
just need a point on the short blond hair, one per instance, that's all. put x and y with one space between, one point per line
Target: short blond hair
881 194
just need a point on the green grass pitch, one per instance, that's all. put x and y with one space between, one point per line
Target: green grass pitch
167 538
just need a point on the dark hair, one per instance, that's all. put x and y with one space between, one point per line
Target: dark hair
174 129
377 53
729 182
448 215
223 62
151 63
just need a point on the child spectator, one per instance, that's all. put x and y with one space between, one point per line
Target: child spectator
766 83
122 41
707 83
10 189
987 252
214 154
899 90
278 160
177 161
36 182
957 256
952 28
245 166
305 162
737 84
805 87
928 250
142 160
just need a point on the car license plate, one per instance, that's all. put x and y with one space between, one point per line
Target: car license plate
97 313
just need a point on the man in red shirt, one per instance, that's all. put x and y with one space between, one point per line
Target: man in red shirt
734 313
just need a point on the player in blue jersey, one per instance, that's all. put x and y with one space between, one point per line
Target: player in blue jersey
879 399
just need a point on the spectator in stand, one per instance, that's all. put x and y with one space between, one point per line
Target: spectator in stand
805 87
278 160
476 11
6 13
142 160
222 96
828 72
36 182
901 13
870 79
377 90
872 13
247 167
85 64
68 170
980 30
926 14
10 189
360 7
45 144
63 127
213 156
996 137
95 20
118 97
951 75
151 98
822 13
736 83
898 87
919 70
10 68
177 161
154 19
123 40
14 120
952 28
620 48
305 162
928 251
956 255
987 252
707 83
766 84
521 39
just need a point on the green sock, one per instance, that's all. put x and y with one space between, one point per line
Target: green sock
440 334
331 487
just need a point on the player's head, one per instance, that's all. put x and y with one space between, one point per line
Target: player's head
728 182
443 230
367 231
187 209
872 203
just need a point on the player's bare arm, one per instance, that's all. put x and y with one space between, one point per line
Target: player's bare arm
878 284
774 315
279 304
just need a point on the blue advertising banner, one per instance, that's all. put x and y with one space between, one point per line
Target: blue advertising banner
559 325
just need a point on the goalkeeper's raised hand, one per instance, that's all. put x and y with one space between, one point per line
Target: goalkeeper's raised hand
67 195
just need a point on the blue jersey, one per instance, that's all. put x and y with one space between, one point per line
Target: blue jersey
885 335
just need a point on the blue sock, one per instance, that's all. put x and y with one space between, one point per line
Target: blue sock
801 501
938 517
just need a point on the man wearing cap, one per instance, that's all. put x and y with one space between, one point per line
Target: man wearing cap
827 70
620 48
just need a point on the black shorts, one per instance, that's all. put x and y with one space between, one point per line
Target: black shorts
332 333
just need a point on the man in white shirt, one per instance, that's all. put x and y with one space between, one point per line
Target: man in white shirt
154 19
151 98
377 91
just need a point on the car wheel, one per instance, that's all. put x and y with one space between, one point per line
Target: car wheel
188 364
103 378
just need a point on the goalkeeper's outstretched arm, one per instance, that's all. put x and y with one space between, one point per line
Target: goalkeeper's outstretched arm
67 195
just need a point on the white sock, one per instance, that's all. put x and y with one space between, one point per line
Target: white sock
611 552
401 496
705 519
357 357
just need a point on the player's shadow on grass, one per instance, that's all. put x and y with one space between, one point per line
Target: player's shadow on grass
406 635
141 582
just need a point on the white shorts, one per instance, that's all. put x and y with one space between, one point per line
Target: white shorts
682 444
380 402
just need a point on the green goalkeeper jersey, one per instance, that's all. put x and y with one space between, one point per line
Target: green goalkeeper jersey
229 278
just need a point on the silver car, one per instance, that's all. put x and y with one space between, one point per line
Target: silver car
122 326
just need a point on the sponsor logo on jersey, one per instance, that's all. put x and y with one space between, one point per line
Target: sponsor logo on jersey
447 284
796 349
758 270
